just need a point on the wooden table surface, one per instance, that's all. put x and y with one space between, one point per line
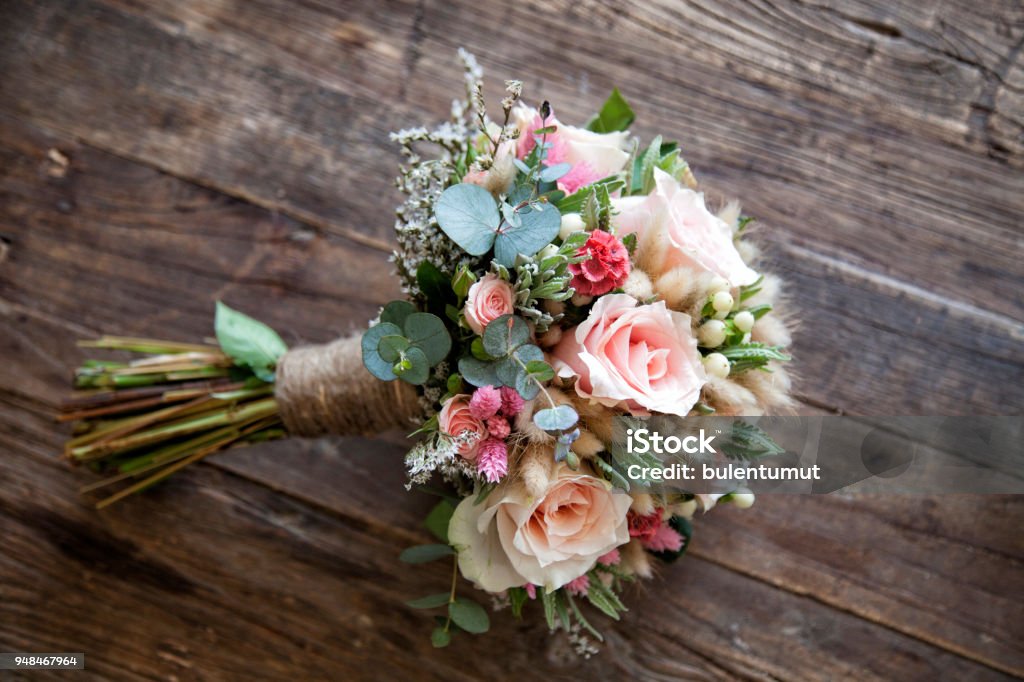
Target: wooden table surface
158 155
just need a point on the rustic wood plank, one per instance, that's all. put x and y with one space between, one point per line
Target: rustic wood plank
214 576
808 137
103 209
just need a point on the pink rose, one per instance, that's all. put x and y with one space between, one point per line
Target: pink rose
456 420
606 267
697 238
488 299
643 357
511 539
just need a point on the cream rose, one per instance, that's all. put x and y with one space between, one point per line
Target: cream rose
510 539
488 299
641 357
698 238
603 153
457 420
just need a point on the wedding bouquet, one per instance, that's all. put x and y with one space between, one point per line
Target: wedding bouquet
555 278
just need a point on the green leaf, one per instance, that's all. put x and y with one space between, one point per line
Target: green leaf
540 224
517 597
248 342
421 554
435 287
752 356
396 312
438 519
430 602
428 333
418 367
505 334
469 215
378 366
561 609
478 372
454 384
559 418
391 347
615 115
552 173
648 162
440 638
469 616
574 202
463 280
604 600
548 599
540 370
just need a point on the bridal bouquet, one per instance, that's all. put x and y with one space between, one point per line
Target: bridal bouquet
555 277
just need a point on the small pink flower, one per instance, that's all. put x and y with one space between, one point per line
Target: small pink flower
579 586
531 590
498 427
492 460
485 403
665 539
606 267
511 402
612 558
489 298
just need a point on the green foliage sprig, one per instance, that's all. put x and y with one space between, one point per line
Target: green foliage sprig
405 344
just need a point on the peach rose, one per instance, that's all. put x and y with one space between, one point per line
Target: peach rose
488 299
697 237
510 539
643 357
456 420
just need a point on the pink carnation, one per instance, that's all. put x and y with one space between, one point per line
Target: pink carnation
579 586
492 460
531 590
612 558
485 403
498 427
606 268
644 527
665 539
511 402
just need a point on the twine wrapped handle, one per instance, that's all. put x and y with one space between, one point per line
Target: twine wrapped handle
325 389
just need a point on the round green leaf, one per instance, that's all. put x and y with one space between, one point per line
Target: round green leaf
421 554
440 638
469 215
378 366
504 334
396 312
391 347
556 418
507 370
428 333
430 602
478 372
540 370
418 369
469 616
540 224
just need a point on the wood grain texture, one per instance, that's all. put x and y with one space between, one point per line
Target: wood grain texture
239 150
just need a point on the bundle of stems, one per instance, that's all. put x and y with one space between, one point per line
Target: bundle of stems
143 419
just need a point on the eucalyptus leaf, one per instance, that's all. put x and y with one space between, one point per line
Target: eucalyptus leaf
378 366
478 372
469 215
440 638
526 387
504 334
248 342
508 370
539 225
428 333
391 347
396 312
557 418
469 616
418 370
540 370
430 601
421 554
552 173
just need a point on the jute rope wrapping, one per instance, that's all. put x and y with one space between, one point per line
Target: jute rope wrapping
325 389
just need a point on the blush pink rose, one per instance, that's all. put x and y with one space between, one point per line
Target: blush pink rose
697 238
511 539
641 357
456 420
489 298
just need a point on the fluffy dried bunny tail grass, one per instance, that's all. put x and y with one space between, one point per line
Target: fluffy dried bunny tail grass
771 389
730 399
535 468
